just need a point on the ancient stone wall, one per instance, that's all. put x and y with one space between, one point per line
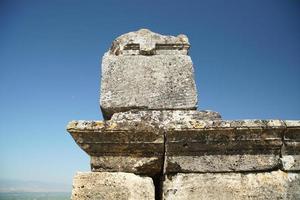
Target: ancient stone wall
154 144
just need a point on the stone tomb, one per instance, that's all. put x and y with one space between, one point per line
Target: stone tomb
147 71
154 144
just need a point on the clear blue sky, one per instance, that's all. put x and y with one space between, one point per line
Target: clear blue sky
246 56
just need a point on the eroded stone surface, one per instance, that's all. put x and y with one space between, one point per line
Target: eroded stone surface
132 141
117 137
131 79
112 186
160 82
291 146
166 116
121 145
151 165
134 133
146 42
222 163
223 146
138 141
246 124
232 186
291 162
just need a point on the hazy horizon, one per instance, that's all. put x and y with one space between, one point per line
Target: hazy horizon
245 55
19 186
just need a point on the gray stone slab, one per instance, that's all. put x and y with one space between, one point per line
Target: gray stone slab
232 186
139 73
112 186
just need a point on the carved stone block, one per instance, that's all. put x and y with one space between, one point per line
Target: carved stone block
147 71
111 186
232 186
291 146
223 146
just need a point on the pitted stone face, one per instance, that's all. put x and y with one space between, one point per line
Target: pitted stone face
147 71
145 42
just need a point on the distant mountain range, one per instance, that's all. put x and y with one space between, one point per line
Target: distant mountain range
32 186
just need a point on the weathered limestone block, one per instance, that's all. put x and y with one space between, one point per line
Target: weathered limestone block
223 146
222 163
132 141
291 146
151 165
126 145
147 71
145 42
232 186
112 186
163 117
117 137
140 141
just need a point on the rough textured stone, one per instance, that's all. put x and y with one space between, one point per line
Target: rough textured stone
135 146
233 186
112 186
126 137
291 162
145 42
223 146
139 141
150 166
161 81
222 163
131 141
136 133
291 146
162 117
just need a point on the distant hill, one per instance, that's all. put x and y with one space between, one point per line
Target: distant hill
32 186
35 196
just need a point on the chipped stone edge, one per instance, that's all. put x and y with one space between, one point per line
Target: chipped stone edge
99 126
196 124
